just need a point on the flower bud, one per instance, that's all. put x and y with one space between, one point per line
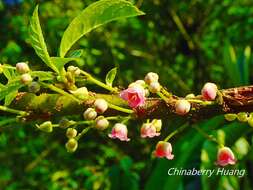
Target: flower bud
138 83
209 91
81 93
100 105
65 123
46 127
250 119
164 149
101 123
242 117
26 78
190 96
148 130
151 77
158 124
90 114
75 70
154 87
34 87
225 156
22 67
71 145
119 131
71 133
182 107
230 116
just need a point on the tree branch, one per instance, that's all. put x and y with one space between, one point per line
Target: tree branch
48 106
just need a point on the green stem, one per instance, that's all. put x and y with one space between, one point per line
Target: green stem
99 83
60 91
162 96
166 93
84 131
181 128
9 67
10 110
207 136
125 110
7 121
201 102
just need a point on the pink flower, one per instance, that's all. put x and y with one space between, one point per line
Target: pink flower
209 91
135 95
164 149
182 107
148 130
225 156
119 131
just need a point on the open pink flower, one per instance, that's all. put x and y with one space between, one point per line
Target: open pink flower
209 91
148 130
164 149
134 95
119 131
225 156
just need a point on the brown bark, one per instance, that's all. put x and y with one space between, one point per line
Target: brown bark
45 106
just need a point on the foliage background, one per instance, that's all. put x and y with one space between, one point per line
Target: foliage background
187 42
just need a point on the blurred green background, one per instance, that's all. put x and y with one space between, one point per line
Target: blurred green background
187 42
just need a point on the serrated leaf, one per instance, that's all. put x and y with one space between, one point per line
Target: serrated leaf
38 42
111 76
59 62
95 15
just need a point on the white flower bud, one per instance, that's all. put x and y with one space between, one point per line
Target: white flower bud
71 145
22 67
151 77
100 105
154 87
71 133
81 93
74 70
182 107
101 123
26 78
90 114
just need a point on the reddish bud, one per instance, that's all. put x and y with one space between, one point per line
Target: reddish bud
164 149
225 157
209 91
182 107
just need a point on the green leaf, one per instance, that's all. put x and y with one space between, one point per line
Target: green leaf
9 73
10 88
76 53
111 76
10 97
43 75
38 42
59 62
230 63
95 15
